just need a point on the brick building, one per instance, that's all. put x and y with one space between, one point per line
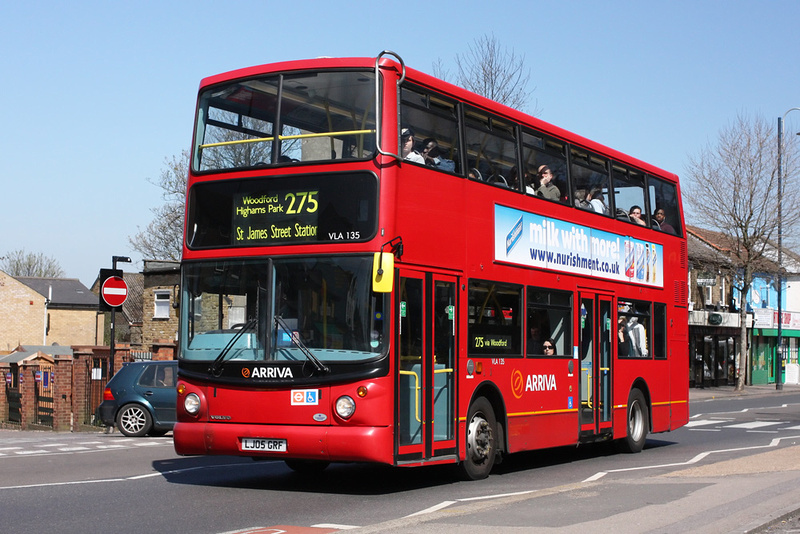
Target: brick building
160 293
53 353
46 311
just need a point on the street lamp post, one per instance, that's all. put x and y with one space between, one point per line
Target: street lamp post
779 355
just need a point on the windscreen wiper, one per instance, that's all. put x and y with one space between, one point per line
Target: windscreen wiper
216 367
302 346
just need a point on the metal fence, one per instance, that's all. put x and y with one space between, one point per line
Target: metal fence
44 395
138 356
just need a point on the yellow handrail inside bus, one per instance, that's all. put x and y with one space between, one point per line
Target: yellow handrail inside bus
416 394
417 388
589 384
285 137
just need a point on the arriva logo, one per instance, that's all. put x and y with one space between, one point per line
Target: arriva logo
541 383
516 383
268 372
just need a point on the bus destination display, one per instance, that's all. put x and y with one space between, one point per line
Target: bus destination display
286 216
283 210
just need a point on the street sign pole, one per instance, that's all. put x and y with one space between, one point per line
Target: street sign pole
114 260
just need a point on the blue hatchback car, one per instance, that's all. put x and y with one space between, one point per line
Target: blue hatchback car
140 399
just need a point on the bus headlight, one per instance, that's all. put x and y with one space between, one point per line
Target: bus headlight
191 404
345 407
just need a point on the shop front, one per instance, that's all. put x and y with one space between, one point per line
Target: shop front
713 348
765 347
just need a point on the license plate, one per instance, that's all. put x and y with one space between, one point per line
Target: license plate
264 444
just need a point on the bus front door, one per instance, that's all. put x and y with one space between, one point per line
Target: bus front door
595 345
425 311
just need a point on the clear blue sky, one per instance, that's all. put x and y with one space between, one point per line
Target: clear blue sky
97 94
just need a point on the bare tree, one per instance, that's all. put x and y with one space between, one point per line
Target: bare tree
21 263
732 188
491 70
163 237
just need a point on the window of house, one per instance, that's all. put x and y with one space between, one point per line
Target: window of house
161 304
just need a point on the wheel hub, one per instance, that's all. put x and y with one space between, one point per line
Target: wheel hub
480 438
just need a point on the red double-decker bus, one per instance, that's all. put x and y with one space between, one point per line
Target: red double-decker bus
379 266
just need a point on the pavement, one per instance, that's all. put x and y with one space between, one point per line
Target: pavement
781 518
757 493
709 393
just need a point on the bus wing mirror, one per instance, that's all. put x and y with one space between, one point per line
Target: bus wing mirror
382 272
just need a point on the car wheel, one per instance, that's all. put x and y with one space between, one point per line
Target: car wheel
134 420
481 441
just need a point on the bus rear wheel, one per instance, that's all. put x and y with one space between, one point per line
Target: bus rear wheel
638 423
481 440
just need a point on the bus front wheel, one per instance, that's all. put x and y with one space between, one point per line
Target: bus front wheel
481 440
638 423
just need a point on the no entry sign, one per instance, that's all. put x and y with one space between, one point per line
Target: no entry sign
114 291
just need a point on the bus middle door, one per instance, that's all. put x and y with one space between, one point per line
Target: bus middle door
425 359
595 331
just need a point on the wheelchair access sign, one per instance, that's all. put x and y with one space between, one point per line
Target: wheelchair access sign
305 397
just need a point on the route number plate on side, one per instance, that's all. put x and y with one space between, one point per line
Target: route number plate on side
264 444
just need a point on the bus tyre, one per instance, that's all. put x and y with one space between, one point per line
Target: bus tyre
481 440
638 423
307 467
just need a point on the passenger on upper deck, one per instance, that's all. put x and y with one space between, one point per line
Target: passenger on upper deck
659 222
513 178
531 183
407 148
433 157
547 188
635 215
580 200
596 199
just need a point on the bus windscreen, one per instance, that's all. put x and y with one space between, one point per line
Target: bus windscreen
285 119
